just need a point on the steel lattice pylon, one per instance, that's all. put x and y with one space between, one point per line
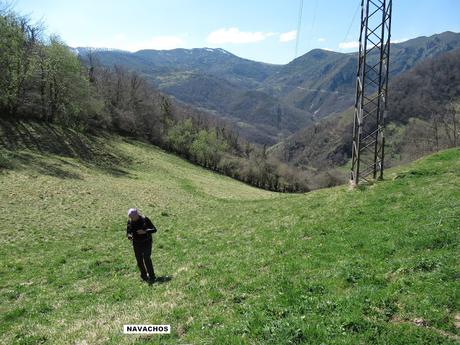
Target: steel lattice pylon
371 91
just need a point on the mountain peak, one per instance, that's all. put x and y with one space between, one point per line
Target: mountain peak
315 55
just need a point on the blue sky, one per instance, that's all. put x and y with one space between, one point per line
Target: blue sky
262 30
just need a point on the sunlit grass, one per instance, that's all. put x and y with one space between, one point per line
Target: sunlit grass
246 266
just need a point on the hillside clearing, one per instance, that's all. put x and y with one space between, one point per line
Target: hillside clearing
239 265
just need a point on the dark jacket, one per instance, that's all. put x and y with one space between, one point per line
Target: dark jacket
143 223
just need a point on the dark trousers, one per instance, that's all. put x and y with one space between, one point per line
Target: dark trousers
143 250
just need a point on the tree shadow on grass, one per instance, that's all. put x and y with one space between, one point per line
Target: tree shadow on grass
22 160
93 151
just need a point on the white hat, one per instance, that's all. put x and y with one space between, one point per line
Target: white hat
132 212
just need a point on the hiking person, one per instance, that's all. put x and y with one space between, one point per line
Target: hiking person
139 230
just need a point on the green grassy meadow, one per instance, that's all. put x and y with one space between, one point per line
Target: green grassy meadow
375 265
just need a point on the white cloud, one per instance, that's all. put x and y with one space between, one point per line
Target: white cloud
235 36
349 45
288 36
321 39
121 41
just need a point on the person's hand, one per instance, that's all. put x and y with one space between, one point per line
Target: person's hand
141 232
130 237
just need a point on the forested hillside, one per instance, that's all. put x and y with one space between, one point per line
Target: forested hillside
277 100
423 117
323 82
42 80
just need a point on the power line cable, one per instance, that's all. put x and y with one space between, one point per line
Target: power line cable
299 25
313 21
352 21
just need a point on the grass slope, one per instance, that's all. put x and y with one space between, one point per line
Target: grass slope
377 265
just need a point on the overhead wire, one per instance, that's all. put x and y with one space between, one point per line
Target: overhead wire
313 21
311 33
352 21
299 25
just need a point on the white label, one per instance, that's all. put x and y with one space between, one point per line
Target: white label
146 329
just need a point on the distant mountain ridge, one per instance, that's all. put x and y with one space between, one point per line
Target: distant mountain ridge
267 102
215 61
322 82
423 116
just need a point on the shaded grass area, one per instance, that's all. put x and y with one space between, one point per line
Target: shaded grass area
378 265
19 141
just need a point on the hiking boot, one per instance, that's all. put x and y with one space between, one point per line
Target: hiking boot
151 280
